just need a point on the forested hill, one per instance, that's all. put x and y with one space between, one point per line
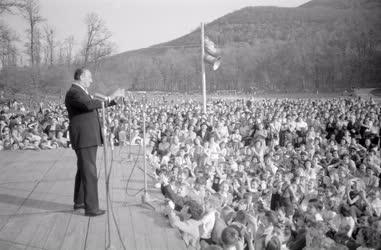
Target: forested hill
323 44
254 24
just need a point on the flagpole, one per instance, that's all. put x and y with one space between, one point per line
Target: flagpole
203 68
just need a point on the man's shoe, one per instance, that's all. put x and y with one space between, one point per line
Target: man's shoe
96 213
78 206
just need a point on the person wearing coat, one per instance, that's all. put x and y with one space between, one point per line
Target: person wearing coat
85 137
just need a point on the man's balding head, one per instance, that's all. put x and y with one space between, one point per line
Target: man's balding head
77 74
83 76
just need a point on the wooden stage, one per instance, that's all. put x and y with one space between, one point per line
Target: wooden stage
36 205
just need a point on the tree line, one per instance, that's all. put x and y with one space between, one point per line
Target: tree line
49 60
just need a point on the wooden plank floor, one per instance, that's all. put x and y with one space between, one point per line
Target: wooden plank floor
36 193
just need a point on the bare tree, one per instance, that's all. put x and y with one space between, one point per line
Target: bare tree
8 51
69 44
97 43
60 53
37 46
31 13
50 43
9 6
64 51
100 52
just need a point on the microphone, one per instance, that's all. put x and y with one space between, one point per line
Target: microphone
100 97
120 93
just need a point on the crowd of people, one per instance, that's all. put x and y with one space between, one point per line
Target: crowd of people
22 128
248 174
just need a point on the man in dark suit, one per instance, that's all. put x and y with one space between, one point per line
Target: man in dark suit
204 133
85 137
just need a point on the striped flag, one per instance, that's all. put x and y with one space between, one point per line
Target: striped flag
212 53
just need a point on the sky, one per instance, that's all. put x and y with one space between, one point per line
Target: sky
136 24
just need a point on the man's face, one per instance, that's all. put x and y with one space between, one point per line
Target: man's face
6 130
86 79
369 171
346 159
304 157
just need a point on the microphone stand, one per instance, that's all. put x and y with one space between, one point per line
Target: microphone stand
129 131
124 106
146 200
104 132
130 127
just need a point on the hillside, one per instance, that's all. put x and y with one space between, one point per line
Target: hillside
324 44
343 4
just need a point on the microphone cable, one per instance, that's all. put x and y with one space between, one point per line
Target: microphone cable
107 179
108 139
111 204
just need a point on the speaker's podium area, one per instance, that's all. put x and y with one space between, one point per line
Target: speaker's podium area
36 204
